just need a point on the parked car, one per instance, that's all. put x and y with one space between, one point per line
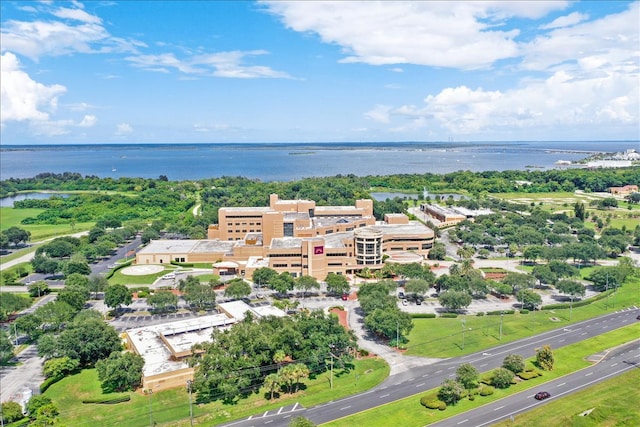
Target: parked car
401 295
405 302
418 301
541 395
345 297
638 317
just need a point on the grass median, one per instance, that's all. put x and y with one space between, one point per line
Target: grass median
410 413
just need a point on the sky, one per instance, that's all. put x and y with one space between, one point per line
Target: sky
100 72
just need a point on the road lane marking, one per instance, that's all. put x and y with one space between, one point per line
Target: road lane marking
615 364
425 375
498 408
419 385
590 373
453 367
463 421
346 407
384 395
437 372
560 385
482 366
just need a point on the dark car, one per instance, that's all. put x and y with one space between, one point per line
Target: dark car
401 295
542 395
638 317
418 301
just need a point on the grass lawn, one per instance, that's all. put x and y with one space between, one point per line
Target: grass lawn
568 359
441 337
171 407
146 279
614 403
12 217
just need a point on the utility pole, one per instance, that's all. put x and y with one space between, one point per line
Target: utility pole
397 335
463 328
501 314
150 392
189 383
331 370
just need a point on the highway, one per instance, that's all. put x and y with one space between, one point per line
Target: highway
420 379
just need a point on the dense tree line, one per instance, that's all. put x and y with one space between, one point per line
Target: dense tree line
238 361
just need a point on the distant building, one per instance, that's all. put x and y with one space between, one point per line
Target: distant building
448 216
298 237
627 189
166 347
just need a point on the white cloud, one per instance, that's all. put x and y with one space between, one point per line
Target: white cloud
397 70
24 99
443 34
74 31
380 113
88 121
221 64
566 21
123 129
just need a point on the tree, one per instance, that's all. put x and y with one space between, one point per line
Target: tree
76 267
16 235
11 303
502 378
263 276
11 411
36 402
6 347
117 295
200 296
454 300
502 289
301 422
59 367
74 295
162 300
514 363
337 284
579 210
388 322
544 358
306 283
237 289
467 375
54 315
544 274
38 289
120 371
88 341
282 283
417 287
571 287
271 383
451 392
519 281
97 284
58 248
438 252
529 299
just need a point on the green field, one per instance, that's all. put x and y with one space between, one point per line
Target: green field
171 407
614 403
10 217
443 337
568 359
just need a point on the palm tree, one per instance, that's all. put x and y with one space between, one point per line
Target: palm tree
272 382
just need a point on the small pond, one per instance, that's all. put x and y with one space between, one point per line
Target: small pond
7 202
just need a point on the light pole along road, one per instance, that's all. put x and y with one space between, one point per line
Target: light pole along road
424 378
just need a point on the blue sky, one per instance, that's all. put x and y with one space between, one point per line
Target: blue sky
215 71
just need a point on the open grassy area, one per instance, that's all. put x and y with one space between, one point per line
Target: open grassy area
568 359
443 337
11 217
614 403
146 279
171 407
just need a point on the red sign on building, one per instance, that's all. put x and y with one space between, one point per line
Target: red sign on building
318 250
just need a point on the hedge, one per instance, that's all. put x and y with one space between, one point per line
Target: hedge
579 303
48 382
499 312
423 315
486 390
182 264
524 311
109 401
449 315
480 313
20 423
527 375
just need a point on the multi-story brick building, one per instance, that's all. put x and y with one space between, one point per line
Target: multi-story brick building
299 237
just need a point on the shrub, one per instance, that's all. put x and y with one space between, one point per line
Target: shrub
480 314
514 363
430 401
423 315
442 406
472 397
502 378
524 311
48 382
109 401
499 312
448 315
486 390
527 375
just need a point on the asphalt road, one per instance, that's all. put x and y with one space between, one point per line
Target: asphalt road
421 379
617 362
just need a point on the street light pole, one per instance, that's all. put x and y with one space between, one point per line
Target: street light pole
331 370
463 328
501 314
397 335
189 383
150 392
